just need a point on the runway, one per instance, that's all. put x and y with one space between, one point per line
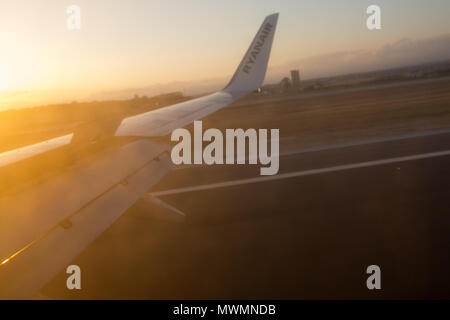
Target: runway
306 236
314 171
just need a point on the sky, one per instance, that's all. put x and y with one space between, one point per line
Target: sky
168 44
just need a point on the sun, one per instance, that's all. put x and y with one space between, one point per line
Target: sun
3 81
5 74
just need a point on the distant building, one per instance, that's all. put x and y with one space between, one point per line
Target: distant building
295 78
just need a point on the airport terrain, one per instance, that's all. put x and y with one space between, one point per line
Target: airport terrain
310 235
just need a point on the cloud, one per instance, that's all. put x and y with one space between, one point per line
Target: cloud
400 53
403 52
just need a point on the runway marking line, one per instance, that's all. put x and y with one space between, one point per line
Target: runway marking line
300 173
356 143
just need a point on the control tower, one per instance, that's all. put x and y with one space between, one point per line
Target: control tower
295 78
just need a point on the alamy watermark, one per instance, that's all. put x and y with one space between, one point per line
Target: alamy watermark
374 20
374 280
74 280
74 19
235 139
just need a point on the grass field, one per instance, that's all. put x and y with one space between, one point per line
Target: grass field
312 120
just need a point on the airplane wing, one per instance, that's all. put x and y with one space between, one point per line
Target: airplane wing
19 154
44 227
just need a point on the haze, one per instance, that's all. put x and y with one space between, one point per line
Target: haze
195 46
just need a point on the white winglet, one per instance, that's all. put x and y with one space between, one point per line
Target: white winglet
250 73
